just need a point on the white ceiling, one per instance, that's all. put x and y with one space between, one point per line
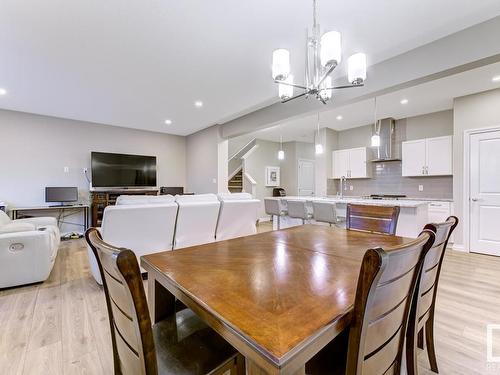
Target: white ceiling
429 97
136 63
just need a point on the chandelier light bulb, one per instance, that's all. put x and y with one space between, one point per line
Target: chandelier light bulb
356 68
281 155
286 91
375 140
331 49
281 64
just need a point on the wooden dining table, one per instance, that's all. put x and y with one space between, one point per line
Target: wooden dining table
278 297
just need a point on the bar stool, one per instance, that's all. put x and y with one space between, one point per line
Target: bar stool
325 212
299 209
275 207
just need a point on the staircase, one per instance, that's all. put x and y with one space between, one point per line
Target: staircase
235 184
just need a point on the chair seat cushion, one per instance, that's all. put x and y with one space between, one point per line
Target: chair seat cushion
187 345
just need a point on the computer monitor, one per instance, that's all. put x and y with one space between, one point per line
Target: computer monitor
61 194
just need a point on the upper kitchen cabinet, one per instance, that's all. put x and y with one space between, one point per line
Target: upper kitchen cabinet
428 157
351 163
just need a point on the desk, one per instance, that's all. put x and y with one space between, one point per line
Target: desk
277 297
16 212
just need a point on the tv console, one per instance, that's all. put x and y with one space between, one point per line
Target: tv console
100 199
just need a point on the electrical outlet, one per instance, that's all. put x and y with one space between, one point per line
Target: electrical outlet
66 169
351 188
420 187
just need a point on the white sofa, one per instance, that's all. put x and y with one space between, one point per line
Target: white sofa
144 228
28 249
196 220
237 216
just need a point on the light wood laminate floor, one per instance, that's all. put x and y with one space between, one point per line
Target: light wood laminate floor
61 326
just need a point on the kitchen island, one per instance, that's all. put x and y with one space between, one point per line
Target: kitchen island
413 215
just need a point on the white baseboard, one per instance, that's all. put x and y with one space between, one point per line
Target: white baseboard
459 247
267 218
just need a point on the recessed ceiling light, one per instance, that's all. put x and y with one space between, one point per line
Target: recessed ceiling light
168 122
339 117
3 91
404 101
496 79
198 104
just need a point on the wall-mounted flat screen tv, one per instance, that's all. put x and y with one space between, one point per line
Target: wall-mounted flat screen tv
121 170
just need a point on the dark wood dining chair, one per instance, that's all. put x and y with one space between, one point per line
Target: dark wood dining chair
424 301
386 285
181 344
376 219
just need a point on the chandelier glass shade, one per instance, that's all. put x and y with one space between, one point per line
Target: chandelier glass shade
323 55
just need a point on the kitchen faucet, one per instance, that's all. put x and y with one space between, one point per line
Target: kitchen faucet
343 184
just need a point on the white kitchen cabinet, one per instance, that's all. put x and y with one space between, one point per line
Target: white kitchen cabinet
439 156
351 163
413 155
428 157
340 162
439 211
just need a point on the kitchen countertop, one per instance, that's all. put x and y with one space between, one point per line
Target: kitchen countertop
426 199
372 202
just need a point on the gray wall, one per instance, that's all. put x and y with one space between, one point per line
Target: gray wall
386 177
35 149
431 125
289 168
470 112
323 162
206 161
265 155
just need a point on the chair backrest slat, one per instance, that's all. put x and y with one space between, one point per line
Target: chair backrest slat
131 332
383 298
370 218
427 286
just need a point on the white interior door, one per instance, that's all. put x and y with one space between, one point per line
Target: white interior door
306 178
484 197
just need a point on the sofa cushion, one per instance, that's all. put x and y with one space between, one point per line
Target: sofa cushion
234 196
144 199
196 198
13 227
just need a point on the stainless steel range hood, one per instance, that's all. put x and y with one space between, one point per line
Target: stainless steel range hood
391 137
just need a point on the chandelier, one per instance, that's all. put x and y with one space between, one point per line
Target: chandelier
323 55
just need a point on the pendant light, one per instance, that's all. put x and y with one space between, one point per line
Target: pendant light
376 129
281 153
319 146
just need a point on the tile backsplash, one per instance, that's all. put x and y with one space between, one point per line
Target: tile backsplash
387 179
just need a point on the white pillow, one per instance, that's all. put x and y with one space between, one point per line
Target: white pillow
14 227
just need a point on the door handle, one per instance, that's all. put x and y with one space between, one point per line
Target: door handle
474 199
